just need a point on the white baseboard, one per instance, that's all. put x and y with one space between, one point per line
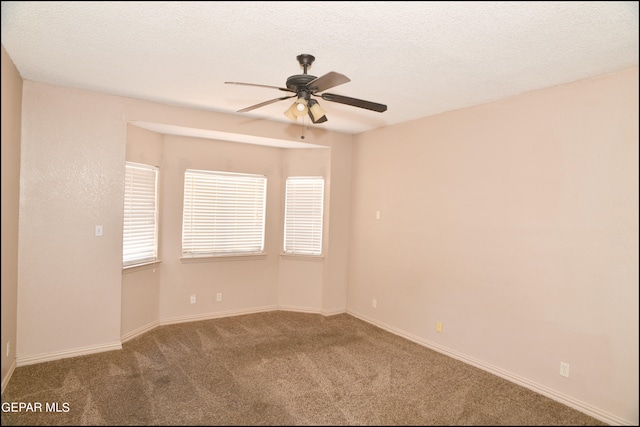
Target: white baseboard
143 330
298 309
195 318
334 312
216 315
538 388
48 357
140 331
7 377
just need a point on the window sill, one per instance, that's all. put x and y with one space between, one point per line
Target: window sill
141 266
296 257
215 258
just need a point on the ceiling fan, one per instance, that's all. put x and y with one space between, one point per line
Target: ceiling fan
304 86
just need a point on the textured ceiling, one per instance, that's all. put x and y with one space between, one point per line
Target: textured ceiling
418 58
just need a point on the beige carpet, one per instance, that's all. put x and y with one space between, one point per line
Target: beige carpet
276 368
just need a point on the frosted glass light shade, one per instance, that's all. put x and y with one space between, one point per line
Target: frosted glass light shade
290 112
316 112
300 107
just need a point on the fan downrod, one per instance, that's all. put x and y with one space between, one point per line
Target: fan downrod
305 61
298 82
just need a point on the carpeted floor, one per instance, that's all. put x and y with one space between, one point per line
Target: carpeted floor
275 368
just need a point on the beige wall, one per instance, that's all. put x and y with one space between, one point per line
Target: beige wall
11 118
72 179
515 224
335 269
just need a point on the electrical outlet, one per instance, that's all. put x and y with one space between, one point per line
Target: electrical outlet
193 299
439 327
374 303
8 347
218 297
564 369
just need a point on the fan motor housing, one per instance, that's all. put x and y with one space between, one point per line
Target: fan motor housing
299 82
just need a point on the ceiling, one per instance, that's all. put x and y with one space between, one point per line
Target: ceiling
418 58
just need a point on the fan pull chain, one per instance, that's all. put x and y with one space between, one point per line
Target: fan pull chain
308 126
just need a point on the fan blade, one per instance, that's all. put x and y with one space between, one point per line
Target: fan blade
354 102
253 84
262 104
329 80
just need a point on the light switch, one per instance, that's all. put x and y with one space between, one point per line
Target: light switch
98 230
377 214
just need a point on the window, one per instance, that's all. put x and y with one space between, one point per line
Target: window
303 215
140 237
224 213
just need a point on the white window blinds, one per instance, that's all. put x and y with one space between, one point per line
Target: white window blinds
140 236
224 213
303 215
